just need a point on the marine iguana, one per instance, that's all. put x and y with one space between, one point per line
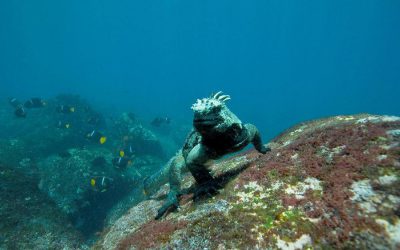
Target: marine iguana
217 132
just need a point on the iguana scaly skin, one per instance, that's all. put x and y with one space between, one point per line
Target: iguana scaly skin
217 132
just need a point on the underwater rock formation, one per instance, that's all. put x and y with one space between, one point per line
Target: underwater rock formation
132 132
329 183
66 180
40 134
51 145
29 219
84 185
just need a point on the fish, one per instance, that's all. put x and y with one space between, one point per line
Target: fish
96 136
130 150
35 102
61 124
103 139
14 102
158 121
100 183
127 151
65 109
20 111
122 162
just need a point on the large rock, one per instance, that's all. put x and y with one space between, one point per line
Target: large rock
63 161
148 150
331 183
66 179
29 219
128 130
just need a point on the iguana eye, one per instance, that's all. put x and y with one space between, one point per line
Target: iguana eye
216 108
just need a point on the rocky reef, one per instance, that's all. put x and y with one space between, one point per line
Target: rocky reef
66 180
29 219
51 173
326 184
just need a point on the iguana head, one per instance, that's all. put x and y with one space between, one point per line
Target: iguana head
212 113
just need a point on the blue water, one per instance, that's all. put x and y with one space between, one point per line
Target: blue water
281 61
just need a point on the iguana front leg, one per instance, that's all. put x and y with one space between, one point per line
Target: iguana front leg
196 163
254 137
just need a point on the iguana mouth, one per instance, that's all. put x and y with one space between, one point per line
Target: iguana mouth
209 121
204 120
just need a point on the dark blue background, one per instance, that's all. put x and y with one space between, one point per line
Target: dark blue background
281 61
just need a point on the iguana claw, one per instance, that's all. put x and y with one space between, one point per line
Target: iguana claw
170 205
207 189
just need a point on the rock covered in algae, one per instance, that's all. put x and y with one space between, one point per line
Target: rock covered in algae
29 219
330 183
66 179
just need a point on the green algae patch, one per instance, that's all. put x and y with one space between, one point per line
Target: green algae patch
269 218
